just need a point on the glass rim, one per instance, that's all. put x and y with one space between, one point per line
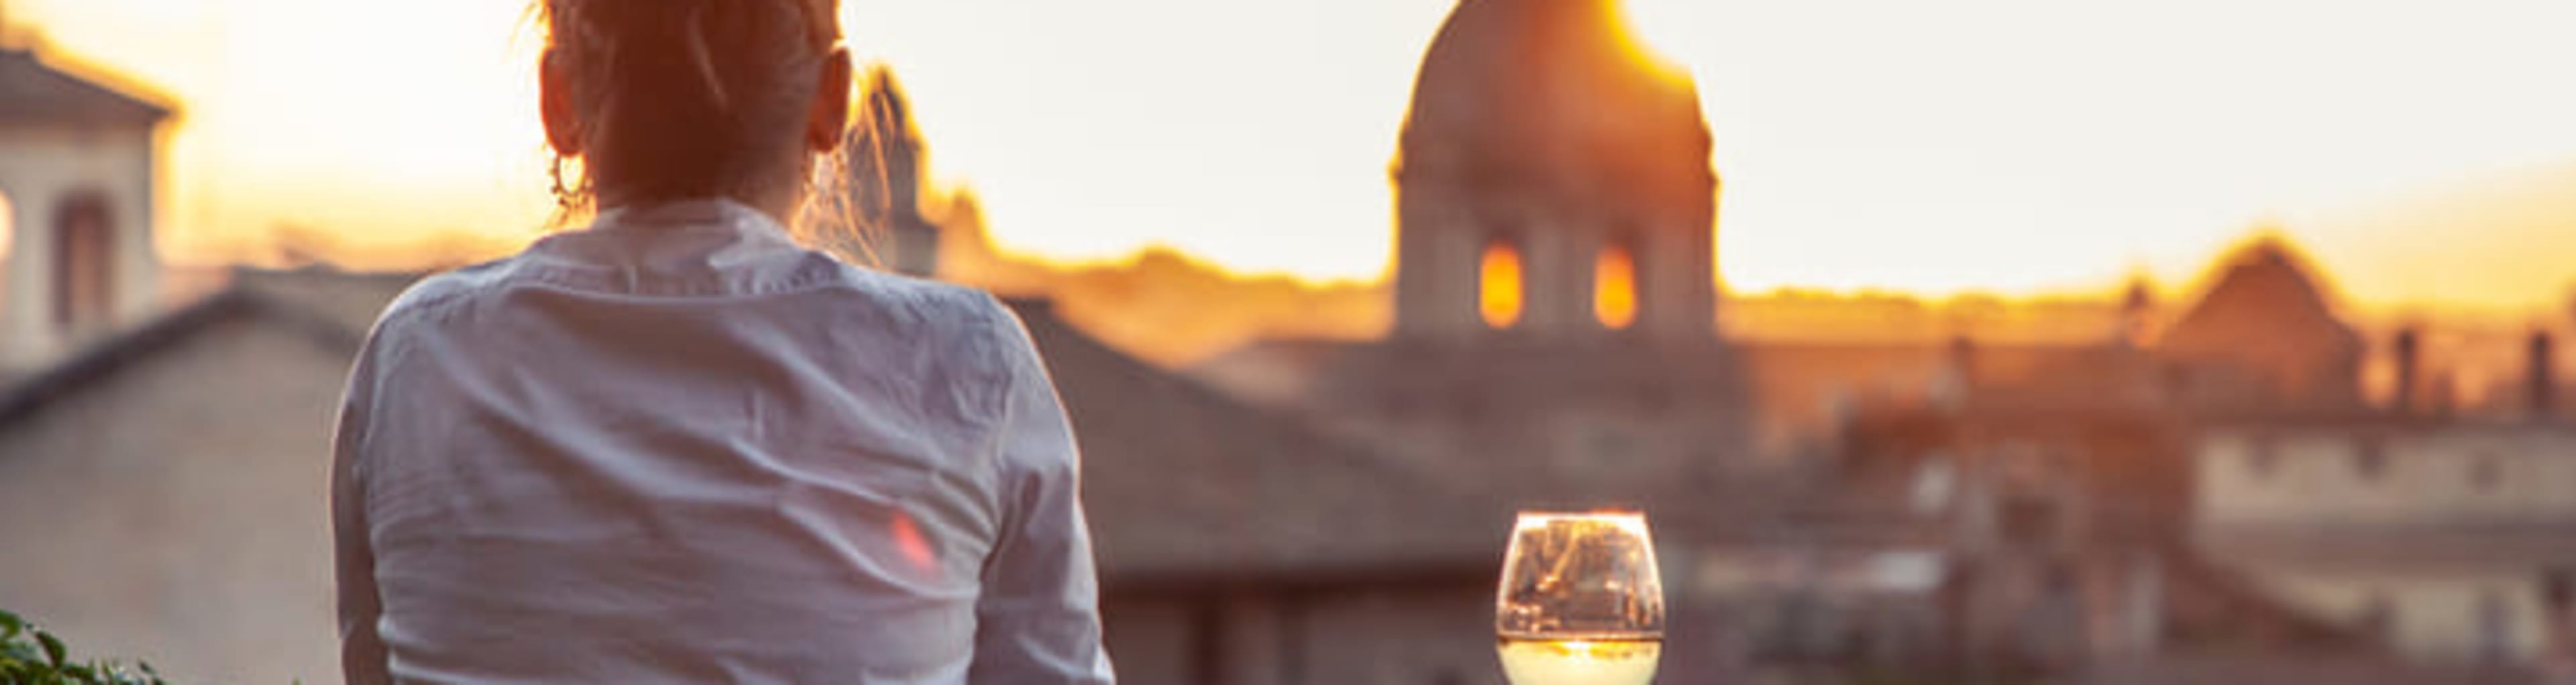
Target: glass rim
1573 513
1631 520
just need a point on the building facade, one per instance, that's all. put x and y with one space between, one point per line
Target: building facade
78 184
2448 541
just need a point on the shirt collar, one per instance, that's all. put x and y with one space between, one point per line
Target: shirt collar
688 213
689 240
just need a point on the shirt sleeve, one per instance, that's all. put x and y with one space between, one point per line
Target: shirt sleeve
1038 619
363 659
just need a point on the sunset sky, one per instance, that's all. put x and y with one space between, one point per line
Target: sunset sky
2424 151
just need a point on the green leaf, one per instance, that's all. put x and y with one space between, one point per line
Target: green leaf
18 651
11 625
53 648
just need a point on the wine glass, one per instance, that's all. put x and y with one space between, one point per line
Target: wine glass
1581 602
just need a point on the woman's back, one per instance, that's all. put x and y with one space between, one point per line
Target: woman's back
678 447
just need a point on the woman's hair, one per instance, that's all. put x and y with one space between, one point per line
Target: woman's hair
680 99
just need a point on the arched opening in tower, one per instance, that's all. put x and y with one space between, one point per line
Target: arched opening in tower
1614 287
1500 284
84 254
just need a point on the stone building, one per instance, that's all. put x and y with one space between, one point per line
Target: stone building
1555 335
1543 144
2438 535
2265 335
78 198
172 476
2447 540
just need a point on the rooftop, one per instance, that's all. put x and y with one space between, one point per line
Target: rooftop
36 90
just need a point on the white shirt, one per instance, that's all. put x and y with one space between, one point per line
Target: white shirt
677 447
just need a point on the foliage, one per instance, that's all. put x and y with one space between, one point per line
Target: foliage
31 656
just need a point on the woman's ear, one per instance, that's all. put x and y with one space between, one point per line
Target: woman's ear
829 122
555 95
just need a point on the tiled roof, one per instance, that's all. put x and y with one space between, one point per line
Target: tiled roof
332 309
32 91
1186 484
1506 379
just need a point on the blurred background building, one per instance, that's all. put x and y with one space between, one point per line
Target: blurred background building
2246 488
79 163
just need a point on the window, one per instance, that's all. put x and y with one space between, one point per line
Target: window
1614 286
84 257
1500 287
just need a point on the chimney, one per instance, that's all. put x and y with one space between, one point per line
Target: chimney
2408 350
2541 382
1963 358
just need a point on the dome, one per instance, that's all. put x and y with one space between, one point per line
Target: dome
1552 95
2265 296
2268 324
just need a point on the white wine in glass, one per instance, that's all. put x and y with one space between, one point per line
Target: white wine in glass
1581 602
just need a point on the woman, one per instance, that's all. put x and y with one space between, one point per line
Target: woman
678 447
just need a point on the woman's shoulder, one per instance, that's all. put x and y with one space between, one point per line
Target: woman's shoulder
440 290
920 299
947 315
963 340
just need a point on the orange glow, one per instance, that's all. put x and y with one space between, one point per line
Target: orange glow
1614 288
2430 177
1647 49
1500 290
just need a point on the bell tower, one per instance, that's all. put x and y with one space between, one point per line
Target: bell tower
1553 183
885 177
77 165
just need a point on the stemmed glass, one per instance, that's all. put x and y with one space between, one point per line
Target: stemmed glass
1581 602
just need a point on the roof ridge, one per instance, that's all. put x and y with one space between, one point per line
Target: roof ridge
38 85
107 357
1036 310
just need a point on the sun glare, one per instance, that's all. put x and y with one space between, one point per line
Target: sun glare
1663 30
